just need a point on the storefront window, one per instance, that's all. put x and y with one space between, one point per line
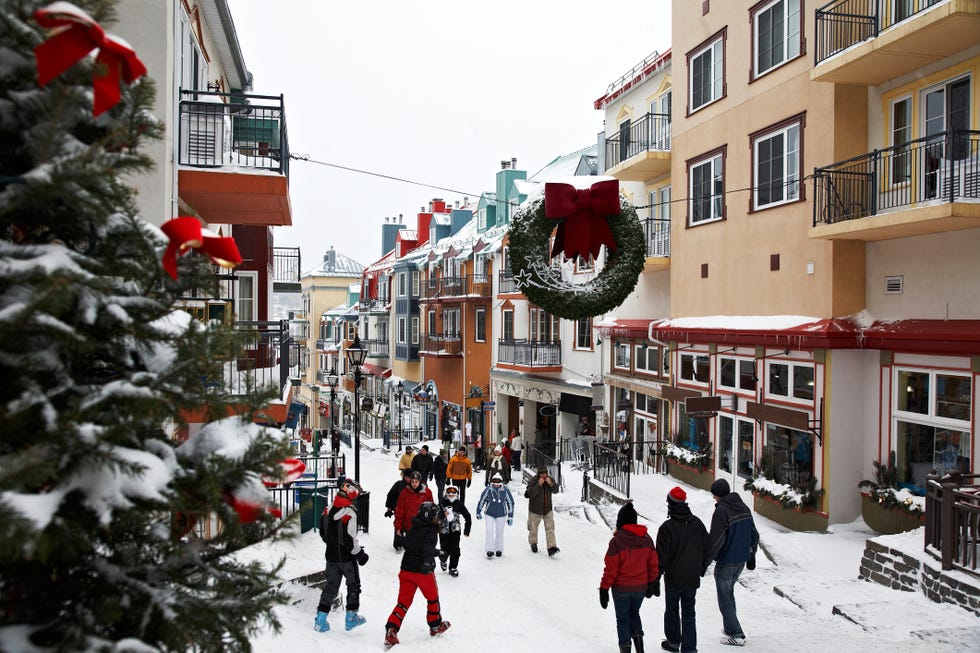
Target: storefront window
913 392
788 456
693 433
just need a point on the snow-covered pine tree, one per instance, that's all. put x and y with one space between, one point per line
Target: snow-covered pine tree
95 369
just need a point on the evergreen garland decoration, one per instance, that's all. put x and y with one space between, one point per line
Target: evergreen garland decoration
544 286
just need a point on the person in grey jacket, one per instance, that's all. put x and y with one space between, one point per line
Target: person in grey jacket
734 541
540 508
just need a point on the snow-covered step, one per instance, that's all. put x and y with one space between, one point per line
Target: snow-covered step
920 614
957 639
819 596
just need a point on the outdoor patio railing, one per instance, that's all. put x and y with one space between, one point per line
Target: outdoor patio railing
952 532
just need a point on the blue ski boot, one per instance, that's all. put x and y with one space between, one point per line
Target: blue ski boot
353 620
321 625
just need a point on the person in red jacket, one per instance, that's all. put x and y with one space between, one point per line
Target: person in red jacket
413 496
632 572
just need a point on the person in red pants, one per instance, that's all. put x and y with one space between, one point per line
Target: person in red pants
418 573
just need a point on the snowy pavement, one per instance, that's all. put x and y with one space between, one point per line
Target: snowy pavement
804 596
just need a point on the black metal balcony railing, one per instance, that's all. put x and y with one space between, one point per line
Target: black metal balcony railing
505 283
942 167
468 285
285 265
842 23
322 344
267 355
529 353
657 233
651 132
233 129
442 343
373 305
377 347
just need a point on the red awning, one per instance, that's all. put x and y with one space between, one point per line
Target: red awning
376 370
625 328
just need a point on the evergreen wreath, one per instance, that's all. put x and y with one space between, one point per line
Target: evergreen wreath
544 286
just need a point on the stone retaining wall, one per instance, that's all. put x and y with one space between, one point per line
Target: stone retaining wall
897 570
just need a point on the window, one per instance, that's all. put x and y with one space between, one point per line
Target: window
480 333
415 283
544 327
247 293
692 432
660 113
583 264
776 34
707 189
401 330
647 359
706 68
736 448
658 228
788 456
415 331
622 355
507 325
791 380
694 367
583 333
776 162
450 323
901 134
402 288
432 322
736 374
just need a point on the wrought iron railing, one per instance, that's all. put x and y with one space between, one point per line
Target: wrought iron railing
952 529
442 343
542 454
467 285
657 235
529 353
940 167
373 305
285 264
377 347
406 436
267 355
505 283
842 23
611 466
232 129
651 132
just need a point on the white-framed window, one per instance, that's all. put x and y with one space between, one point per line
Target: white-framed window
660 109
402 335
788 380
450 322
402 284
736 373
507 325
900 161
695 368
622 355
415 283
544 327
480 318
431 315
415 331
583 333
776 157
583 264
706 179
193 65
706 68
776 35
247 296
647 359
658 233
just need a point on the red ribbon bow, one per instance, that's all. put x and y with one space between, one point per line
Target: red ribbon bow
74 35
584 227
185 233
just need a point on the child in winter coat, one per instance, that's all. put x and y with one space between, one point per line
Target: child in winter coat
453 513
498 504
498 465
418 573
632 572
338 530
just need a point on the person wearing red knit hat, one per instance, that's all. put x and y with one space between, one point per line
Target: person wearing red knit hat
684 551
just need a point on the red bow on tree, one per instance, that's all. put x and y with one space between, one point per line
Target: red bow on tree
74 35
185 233
583 212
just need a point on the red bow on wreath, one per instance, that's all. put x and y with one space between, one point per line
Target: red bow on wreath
585 227
74 35
185 233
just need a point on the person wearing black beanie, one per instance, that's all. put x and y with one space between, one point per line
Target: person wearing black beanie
734 541
627 515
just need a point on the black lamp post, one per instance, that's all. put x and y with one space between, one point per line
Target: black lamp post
332 381
355 356
399 391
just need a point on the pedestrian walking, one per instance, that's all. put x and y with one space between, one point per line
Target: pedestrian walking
516 446
338 530
506 452
418 573
540 507
455 518
422 463
405 461
439 470
632 572
684 551
497 503
459 472
413 496
498 465
734 541
391 500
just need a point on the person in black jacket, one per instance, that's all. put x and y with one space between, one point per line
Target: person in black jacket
391 501
734 541
422 463
418 573
685 553
439 464
338 529
454 518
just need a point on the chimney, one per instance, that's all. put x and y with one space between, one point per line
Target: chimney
330 260
504 165
401 218
513 163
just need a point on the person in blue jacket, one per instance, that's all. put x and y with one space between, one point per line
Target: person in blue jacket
734 541
498 504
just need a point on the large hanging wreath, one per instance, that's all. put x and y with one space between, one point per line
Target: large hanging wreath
586 222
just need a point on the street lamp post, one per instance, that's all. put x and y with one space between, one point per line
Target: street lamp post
399 390
332 381
355 356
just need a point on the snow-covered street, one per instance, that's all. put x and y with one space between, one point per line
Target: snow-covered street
526 601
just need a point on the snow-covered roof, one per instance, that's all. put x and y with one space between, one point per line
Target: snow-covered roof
568 165
336 264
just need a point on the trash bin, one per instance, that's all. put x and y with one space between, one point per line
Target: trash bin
363 506
312 501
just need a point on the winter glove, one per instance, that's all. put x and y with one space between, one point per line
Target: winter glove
361 557
510 521
603 598
653 589
479 516
466 531
399 541
469 482
750 565
389 512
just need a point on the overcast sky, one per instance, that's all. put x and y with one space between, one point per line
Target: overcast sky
437 92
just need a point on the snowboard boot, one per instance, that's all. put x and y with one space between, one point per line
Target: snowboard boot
625 649
534 548
440 629
668 645
638 643
321 625
391 638
552 551
353 620
454 572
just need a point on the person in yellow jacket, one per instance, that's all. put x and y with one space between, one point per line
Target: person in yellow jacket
459 472
405 462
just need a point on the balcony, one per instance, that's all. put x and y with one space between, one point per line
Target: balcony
927 186
459 288
267 356
506 284
233 157
326 344
377 347
373 305
656 232
286 270
529 353
640 151
867 42
441 344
